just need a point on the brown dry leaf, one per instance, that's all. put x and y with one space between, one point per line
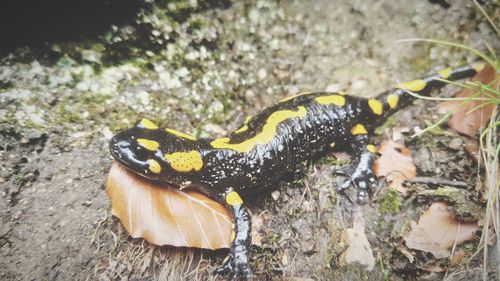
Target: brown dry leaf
359 250
469 123
395 164
167 216
438 230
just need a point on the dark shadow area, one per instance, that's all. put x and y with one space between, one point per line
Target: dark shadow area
33 22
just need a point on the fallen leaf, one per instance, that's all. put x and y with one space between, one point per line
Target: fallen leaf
437 230
463 121
167 216
395 164
358 250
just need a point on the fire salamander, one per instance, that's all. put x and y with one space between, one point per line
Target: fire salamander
269 146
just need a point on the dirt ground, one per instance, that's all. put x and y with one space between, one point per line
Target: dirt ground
202 68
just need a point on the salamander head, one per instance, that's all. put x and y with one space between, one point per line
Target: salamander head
156 153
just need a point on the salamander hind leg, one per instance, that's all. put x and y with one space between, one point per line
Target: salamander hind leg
237 262
360 173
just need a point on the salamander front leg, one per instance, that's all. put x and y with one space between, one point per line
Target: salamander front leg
361 172
237 262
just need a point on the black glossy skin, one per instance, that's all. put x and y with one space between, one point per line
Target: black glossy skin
296 139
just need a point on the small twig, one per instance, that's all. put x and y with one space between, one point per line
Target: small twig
307 191
438 181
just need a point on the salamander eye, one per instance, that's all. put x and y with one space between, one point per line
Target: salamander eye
141 153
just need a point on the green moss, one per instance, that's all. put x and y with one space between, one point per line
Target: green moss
28 124
94 99
330 160
421 64
98 47
226 98
69 111
197 23
267 257
391 203
65 61
22 178
116 120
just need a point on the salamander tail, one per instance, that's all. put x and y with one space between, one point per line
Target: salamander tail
401 96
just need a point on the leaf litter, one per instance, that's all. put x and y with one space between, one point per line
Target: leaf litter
395 164
470 117
438 230
164 215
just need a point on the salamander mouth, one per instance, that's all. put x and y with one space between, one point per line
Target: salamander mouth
115 150
124 153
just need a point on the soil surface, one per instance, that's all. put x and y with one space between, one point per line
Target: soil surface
201 69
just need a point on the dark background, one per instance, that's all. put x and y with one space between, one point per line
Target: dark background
34 22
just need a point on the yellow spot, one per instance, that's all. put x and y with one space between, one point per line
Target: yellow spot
478 66
445 73
218 143
342 93
359 130
146 123
267 134
335 99
393 100
376 106
154 166
180 134
148 144
233 198
241 129
247 119
371 148
414 86
233 235
332 144
294 96
185 161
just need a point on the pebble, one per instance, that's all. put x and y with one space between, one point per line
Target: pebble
262 74
143 97
17 215
333 88
285 259
358 84
456 144
276 195
91 56
4 229
249 94
107 133
214 129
